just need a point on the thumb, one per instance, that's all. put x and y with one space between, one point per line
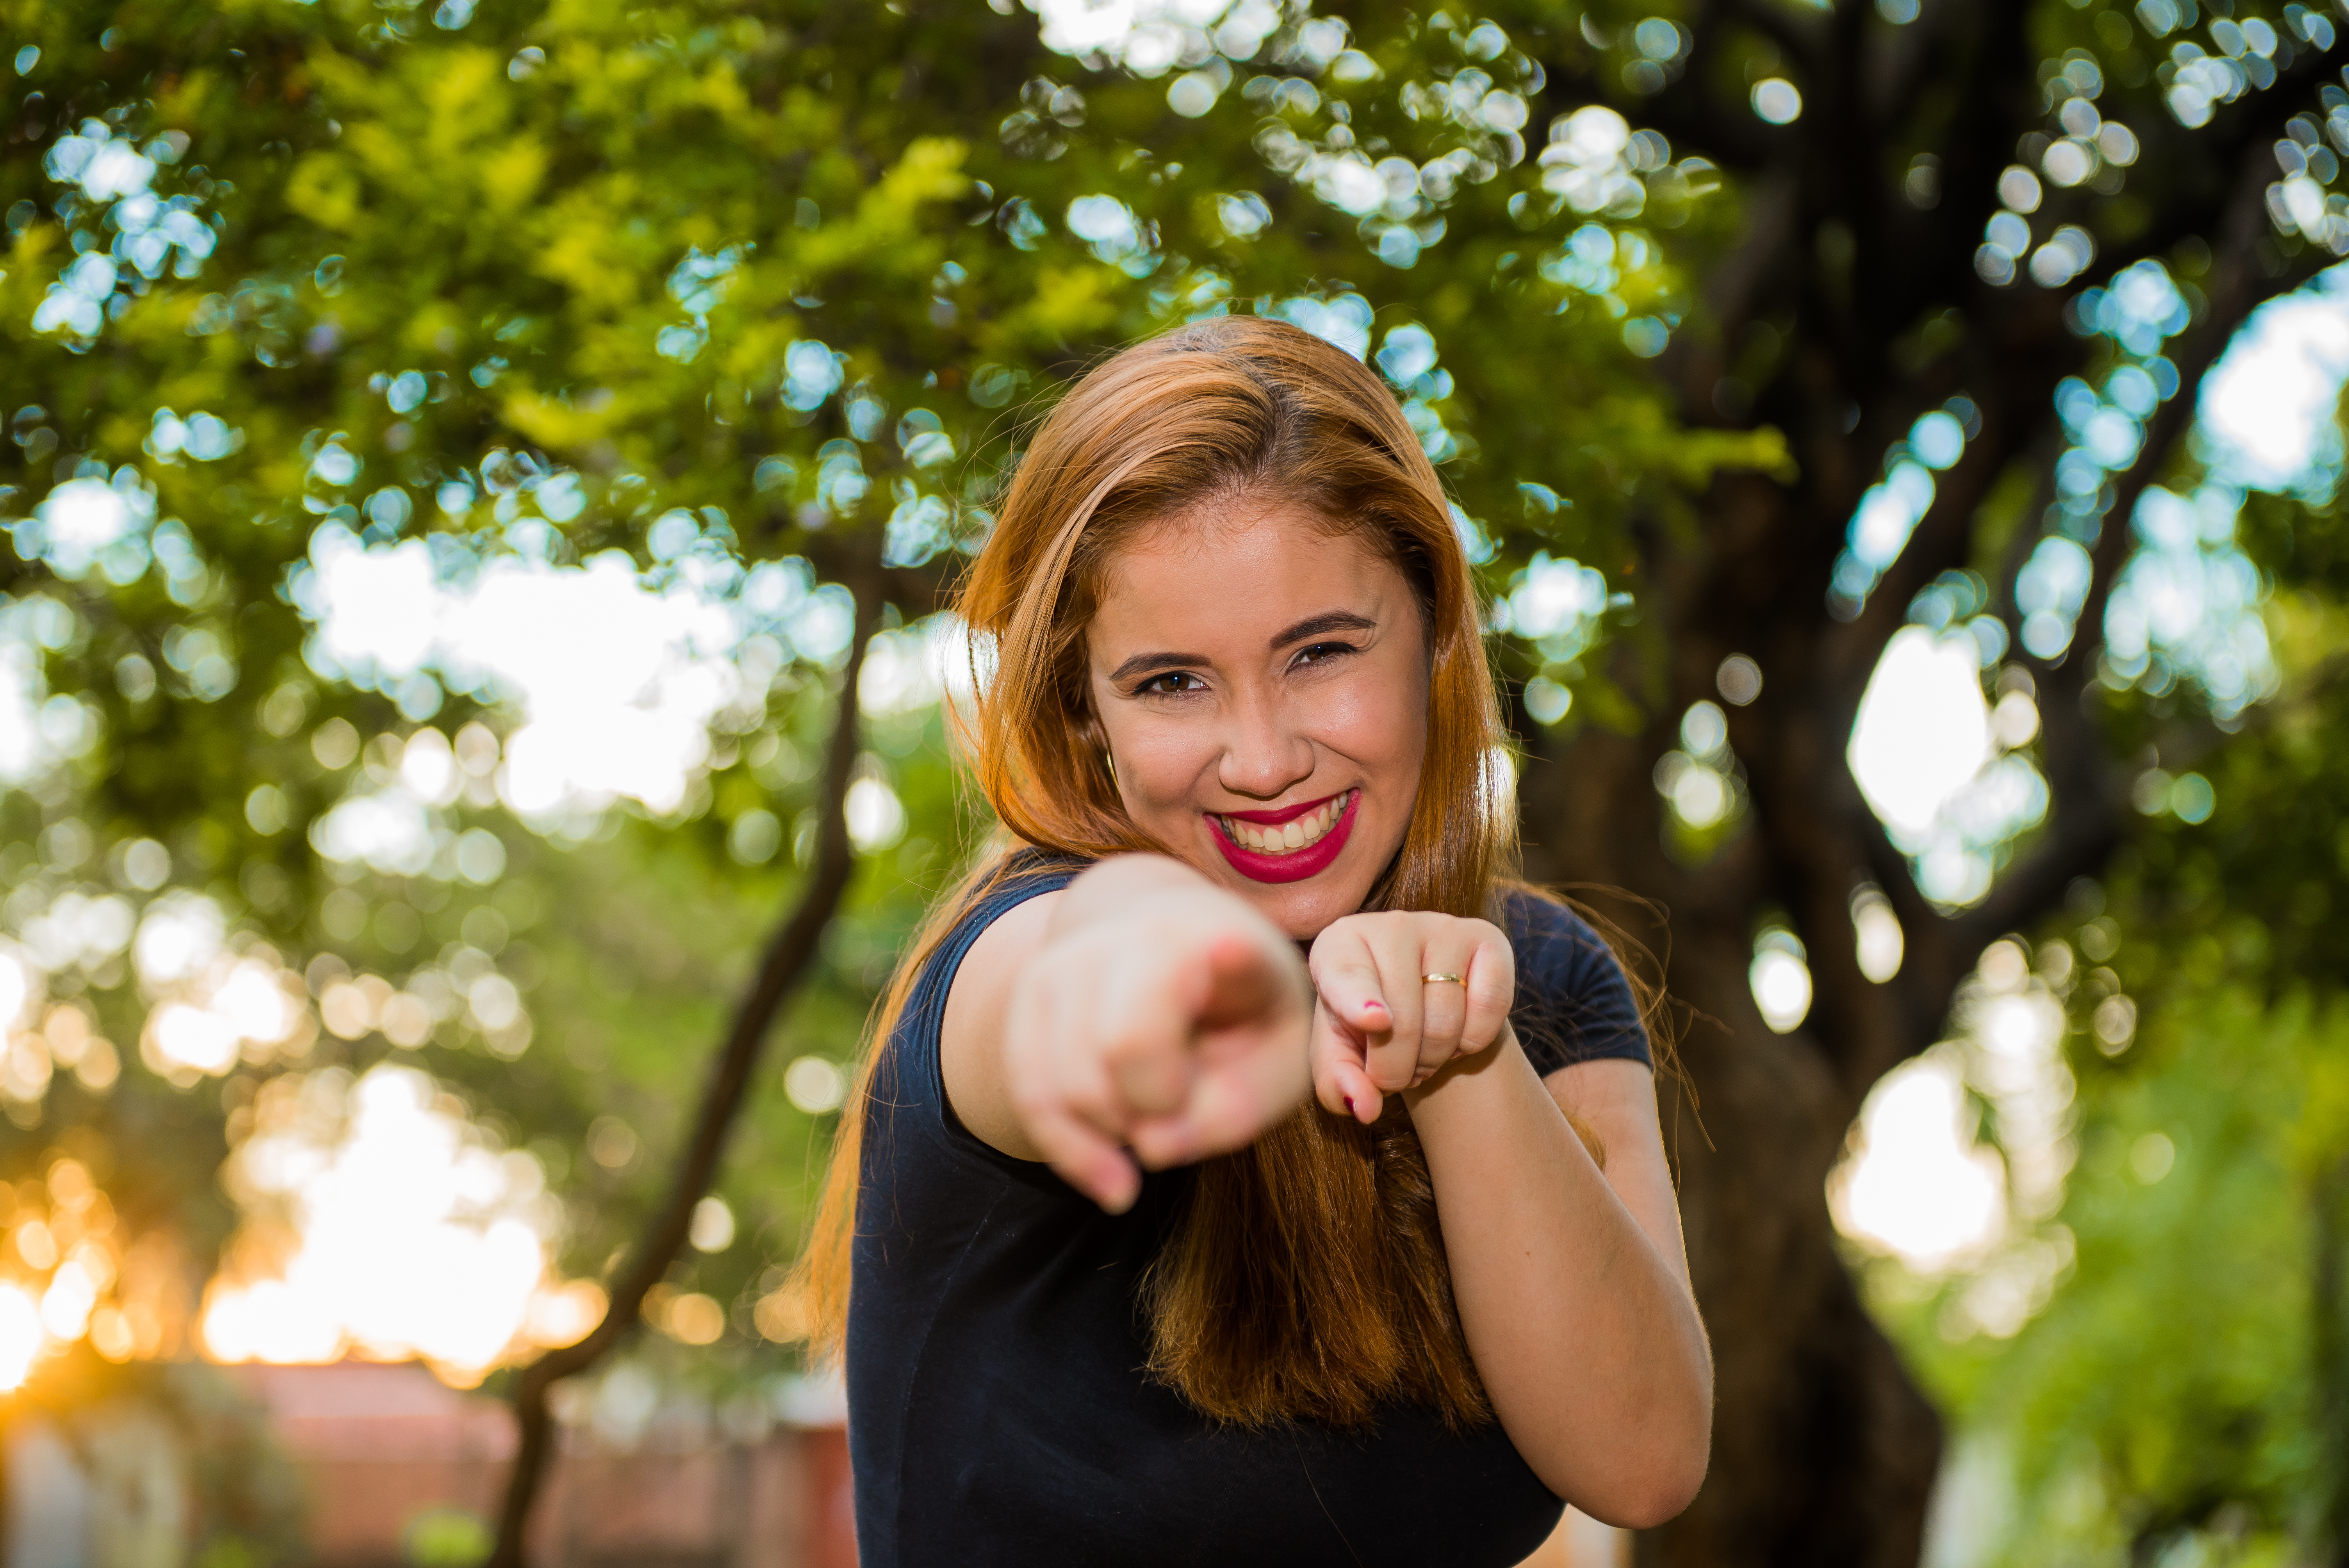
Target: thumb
1341 1084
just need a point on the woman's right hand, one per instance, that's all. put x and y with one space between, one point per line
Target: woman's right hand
1175 1027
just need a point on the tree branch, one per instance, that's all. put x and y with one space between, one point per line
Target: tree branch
2086 824
2241 133
1977 143
787 955
2239 286
2088 798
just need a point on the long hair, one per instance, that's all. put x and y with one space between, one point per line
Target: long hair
1305 1278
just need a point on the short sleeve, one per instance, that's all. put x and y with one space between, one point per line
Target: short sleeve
911 1074
1574 1002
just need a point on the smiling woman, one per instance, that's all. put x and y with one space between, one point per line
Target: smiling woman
1358 670
1213 1191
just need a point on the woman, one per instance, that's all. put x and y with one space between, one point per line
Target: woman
1214 1194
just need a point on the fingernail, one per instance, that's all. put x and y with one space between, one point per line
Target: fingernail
1349 1105
1374 1007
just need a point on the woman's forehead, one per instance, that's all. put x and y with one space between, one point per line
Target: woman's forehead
1236 581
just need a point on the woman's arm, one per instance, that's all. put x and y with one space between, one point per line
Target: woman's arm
1572 1283
1141 1008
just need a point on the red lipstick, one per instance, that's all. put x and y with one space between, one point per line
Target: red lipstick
1296 865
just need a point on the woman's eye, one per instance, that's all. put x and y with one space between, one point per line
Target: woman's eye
1172 684
1321 652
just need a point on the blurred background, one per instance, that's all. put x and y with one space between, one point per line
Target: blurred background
482 477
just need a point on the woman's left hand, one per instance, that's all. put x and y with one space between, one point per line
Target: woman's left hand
1398 995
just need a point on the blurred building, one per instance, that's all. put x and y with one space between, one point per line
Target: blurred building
398 1469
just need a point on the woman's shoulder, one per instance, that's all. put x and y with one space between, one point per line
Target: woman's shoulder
1018 876
909 1077
1015 878
1575 1002
1548 927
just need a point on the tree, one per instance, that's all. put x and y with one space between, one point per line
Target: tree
1859 300
302 301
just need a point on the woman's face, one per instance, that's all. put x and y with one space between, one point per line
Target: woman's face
1262 685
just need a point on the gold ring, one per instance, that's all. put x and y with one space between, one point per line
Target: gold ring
1440 980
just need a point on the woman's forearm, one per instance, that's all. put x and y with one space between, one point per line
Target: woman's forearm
1579 1318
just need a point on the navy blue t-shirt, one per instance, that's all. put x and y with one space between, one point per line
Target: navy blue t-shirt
997 1411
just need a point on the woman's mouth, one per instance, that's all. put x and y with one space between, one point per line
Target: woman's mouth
1293 845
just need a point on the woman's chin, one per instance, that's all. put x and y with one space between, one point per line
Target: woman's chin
1302 909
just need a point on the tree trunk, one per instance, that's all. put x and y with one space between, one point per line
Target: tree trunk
1824 1452
789 952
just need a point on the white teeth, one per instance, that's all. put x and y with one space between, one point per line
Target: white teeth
1292 835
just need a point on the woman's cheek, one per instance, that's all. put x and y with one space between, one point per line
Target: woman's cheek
1380 726
1158 772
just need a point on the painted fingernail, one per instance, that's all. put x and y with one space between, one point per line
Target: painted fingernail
1374 1007
1349 1105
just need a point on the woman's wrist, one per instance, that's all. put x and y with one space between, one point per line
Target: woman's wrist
1468 1086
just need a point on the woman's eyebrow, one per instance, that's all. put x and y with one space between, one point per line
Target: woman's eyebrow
1327 622
1147 664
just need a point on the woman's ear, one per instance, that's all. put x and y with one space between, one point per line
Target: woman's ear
1089 730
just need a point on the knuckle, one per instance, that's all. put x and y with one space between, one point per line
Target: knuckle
1342 931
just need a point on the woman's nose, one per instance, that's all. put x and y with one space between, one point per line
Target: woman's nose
1264 755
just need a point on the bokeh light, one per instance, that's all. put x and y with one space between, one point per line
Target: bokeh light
382 1222
21 1335
1918 1185
1780 976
